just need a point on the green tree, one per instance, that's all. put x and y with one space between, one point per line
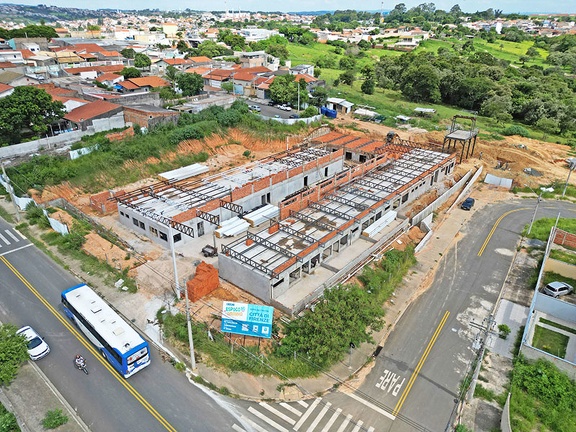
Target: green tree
128 53
28 108
171 73
319 96
421 83
190 84
142 61
227 86
130 72
278 50
347 63
347 77
311 111
13 352
498 107
283 89
548 125
368 86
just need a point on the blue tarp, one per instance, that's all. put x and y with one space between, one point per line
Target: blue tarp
328 112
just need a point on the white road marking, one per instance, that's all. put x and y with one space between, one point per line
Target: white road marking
256 427
358 425
307 414
290 408
17 249
372 406
370 429
304 404
345 423
278 413
237 428
319 417
20 234
332 420
11 235
267 420
5 239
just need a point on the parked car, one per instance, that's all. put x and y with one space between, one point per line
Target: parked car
285 108
468 204
271 103
37 347
294 116
557 289
255 108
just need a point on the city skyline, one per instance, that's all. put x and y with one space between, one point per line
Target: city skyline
509 6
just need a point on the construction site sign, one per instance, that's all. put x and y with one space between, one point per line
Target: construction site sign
247 319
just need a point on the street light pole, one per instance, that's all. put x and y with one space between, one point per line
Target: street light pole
571 167
534 215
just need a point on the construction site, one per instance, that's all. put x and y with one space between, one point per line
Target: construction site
295 223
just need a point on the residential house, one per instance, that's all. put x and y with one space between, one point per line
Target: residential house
84 116
16 79
340 105
303 69
12 56
216 77
109 79
200 61
149 116
150 82
5 90
179 63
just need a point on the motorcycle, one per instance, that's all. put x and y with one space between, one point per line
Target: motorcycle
81 366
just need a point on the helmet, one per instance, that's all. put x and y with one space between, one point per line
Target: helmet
77 356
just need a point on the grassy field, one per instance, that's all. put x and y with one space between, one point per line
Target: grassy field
392 103
550 341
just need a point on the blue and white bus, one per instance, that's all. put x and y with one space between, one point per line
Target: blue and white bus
117 341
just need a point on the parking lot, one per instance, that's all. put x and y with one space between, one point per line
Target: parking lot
270 111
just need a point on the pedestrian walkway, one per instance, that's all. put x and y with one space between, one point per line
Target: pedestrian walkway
315 415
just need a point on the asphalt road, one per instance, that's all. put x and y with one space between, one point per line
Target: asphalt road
155 399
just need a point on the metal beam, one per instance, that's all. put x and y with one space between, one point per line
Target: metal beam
331 211
342 200
233 207
270 245
242 258
304 157
311 221
298 234
184 229
375 185
213 219
362 193
286 161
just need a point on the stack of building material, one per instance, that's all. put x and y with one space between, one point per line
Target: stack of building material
263 214
380 224
232 227
183 173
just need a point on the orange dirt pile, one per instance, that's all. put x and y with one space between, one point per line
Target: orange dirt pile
63 217
108 252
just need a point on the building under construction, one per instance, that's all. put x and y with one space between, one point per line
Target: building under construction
320 223
194 208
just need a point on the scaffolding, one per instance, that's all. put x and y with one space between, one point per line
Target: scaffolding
458 135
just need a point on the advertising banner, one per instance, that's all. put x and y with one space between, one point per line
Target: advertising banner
247 319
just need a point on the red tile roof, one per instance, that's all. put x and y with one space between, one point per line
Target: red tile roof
101 69
87 47
200 59
5 65
26 53
5 87
110 54
305 77
86 56
256 69
219 74
177 61
91 110
151 81
108 76
244 76
128 85
198 70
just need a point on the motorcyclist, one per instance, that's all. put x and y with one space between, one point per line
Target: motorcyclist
80 362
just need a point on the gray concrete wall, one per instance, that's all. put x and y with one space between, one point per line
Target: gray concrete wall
244 276
555 307
505 420
62 140
560 267
535 354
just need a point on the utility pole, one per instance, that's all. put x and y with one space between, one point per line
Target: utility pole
535 210
571 167
10 190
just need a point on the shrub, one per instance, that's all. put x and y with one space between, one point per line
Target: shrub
54 419
516 130
8 422
503 331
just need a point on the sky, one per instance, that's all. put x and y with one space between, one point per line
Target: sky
508 6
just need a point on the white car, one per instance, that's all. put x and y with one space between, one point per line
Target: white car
37 347
557 289
285 108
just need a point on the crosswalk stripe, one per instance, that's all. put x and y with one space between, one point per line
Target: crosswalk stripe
370 429
304 404
237 428
372 406
290 408
319 417
345 423
358 426
307 414
332 420
11 235
5 239
267 420
256 426
278 413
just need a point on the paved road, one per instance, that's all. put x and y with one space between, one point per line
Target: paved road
157 398
415 381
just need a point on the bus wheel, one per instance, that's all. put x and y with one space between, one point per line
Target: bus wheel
103 354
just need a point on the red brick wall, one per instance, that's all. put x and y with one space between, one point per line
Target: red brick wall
210 205
564 238
294 172
279 178
100 203
261 184
204 282
242 192
185 216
